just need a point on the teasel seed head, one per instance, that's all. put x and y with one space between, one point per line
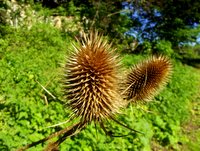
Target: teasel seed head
146 79
91 79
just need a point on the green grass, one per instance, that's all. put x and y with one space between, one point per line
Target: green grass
190 128
28 56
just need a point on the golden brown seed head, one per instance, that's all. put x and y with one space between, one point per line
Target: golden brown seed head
147 78
91 79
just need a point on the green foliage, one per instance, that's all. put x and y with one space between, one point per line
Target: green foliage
183 35
175 19
3 14
171 107
190 51
129 60
104 16
174 24
35 54
71 9
173 104
163 47
28 56
147 47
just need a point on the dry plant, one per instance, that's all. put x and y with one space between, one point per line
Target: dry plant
91 85
147 78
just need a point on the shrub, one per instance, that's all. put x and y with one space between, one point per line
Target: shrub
163 47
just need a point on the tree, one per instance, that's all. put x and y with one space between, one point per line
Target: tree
176 20
104 15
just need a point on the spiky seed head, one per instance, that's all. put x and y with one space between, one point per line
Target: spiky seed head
146 79
91 79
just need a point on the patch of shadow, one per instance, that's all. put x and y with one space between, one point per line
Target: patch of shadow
3 147
194 62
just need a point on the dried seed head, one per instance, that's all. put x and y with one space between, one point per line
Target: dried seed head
147 78
91 79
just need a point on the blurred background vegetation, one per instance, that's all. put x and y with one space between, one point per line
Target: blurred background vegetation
35 37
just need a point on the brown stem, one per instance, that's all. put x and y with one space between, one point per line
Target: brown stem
125 126
64 131
110 133
72 131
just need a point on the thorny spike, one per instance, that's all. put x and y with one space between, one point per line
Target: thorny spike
95 65
146 79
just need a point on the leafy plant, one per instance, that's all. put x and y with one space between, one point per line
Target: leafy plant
163 47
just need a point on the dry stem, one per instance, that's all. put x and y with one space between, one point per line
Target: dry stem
69 131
